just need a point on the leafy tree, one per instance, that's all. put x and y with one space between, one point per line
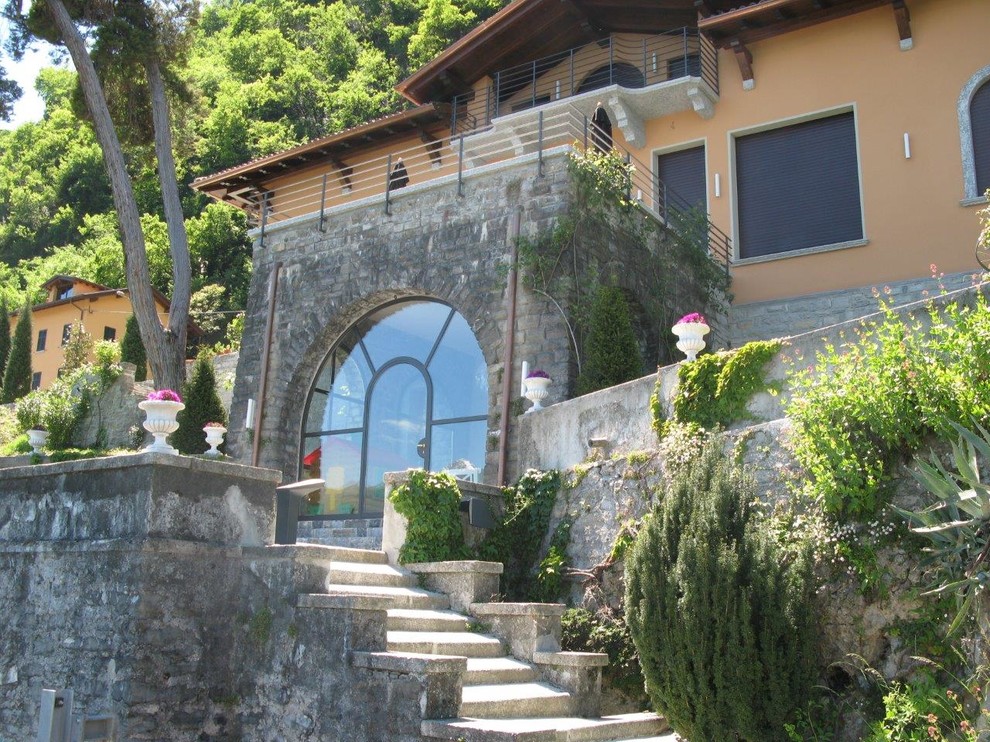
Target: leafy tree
133 44
78 348
132 349
721 615
203 405
4 335
17 374
611 351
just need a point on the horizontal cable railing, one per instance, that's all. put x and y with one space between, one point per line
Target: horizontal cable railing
455 157
613 61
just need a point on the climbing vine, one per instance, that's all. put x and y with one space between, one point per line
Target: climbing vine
430 502
714 390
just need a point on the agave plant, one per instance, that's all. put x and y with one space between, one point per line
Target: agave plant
958 523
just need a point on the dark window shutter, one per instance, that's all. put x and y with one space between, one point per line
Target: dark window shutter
979 116
683 175
798 187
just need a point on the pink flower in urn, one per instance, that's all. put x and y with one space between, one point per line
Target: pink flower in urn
538 373
214 425
164 395
693 317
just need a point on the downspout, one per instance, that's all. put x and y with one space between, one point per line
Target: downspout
510 338
266 352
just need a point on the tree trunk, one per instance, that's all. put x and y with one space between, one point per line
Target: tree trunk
166 355
178 321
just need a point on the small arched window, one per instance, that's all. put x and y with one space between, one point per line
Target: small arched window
974 134
979 117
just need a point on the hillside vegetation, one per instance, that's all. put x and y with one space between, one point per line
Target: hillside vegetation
260 77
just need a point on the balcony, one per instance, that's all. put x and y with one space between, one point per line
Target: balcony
637 78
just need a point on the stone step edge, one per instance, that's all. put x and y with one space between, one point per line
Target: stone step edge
357 601
412 663
643 725
320 554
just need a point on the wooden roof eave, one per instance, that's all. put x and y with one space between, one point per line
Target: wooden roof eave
250 176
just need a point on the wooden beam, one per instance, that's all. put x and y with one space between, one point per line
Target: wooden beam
433 145
903 18
744 58
343 170
704 9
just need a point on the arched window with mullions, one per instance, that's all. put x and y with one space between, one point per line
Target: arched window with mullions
404 387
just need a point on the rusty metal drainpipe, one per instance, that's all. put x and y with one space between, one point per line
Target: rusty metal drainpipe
510 338
266 352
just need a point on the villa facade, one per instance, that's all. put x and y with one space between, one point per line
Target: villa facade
835 146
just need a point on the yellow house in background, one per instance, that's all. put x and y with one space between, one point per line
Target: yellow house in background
102 311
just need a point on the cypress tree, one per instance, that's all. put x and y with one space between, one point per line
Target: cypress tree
17 374
721 615
203 405
132 349
611 352
4 337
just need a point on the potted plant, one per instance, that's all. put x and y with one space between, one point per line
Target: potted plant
537 383
160 409
214 437
691 330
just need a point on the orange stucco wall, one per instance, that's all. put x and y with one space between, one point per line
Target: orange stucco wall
912 212
96 313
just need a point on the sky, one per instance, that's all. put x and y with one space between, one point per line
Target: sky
30 106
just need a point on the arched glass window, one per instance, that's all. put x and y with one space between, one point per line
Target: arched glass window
405 387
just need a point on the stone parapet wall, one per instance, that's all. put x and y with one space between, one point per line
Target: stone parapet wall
801 314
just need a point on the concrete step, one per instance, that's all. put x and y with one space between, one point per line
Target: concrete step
406 619
371 541
394 597
455 643
496 670
324 555
642 727
375 575
514 700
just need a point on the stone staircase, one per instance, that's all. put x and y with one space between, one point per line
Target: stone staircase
512 680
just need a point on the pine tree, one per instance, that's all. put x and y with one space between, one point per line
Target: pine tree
132 349
4 337
721 616
17 374
203 405
611 351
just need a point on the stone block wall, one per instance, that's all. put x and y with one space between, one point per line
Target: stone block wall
143 584
433 243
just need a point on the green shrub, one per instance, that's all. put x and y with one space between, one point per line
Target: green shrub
430 501
867 405
721 616
517 540
605 631
17 446
132 349
17 374
203 405
549 585
107 353
611 351
922 711
4 336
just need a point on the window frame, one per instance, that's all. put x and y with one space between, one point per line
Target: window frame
733 184
42 343
66 333
971 196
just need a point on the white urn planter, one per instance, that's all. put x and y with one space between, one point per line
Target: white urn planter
214 438
537 389
691 337
160 422
37 439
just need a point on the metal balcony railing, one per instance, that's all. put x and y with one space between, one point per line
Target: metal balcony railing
612 61
378 180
